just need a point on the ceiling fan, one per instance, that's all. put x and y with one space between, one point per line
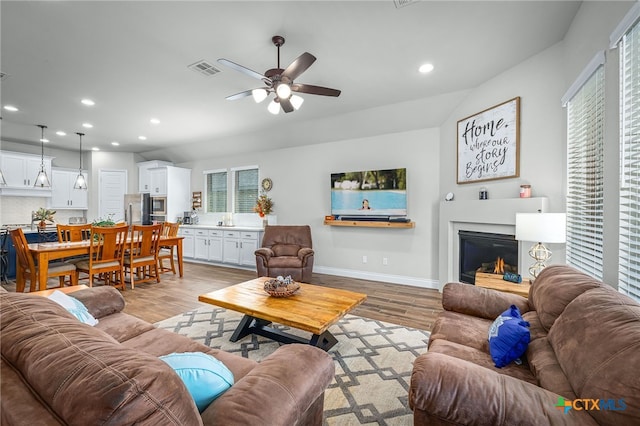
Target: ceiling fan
281 82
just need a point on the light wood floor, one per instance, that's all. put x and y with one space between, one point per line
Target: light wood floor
399 304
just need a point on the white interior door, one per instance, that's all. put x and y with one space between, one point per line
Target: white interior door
113 186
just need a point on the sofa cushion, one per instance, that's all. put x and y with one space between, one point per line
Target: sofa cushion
460 328
508 337
83 374
100 301
545 366
205 377
482 358
555 288
597 342
285 249
285 262
74 307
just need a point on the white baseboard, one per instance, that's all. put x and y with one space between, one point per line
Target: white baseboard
373 276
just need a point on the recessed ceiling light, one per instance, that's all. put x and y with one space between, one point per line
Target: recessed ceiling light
425 68
142 138
114 143
88 102
95 148
154 121
61 133
10 108
45 140
87 125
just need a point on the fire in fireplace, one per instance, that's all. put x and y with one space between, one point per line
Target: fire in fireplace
486 252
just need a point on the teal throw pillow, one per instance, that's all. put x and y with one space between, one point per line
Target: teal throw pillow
205 377
74 307
509 337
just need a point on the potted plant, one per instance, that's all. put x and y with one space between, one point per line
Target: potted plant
264 206
43 215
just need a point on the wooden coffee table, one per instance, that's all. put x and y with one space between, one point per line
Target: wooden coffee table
312 308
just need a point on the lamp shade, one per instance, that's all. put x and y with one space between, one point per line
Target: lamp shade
541 227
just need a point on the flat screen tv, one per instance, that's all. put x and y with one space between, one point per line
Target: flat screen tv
369 193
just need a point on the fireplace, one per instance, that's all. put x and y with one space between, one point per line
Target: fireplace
486 252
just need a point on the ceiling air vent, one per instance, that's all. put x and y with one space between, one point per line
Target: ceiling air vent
403 3
203 67
3 76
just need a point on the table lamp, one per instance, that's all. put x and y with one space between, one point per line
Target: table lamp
541 227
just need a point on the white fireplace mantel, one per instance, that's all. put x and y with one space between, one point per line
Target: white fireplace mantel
496 216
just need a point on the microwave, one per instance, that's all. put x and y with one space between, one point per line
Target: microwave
158 205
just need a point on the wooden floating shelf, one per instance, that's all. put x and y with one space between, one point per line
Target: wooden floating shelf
370 224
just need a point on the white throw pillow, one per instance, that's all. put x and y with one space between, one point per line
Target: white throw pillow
74 306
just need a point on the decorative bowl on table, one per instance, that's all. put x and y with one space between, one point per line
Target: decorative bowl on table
281 287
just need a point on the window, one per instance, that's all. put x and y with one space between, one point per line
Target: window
245 191
241 191
216 191
585 169
629 251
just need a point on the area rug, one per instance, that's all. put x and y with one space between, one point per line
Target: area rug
373 362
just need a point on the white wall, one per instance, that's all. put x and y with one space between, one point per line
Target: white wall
301 193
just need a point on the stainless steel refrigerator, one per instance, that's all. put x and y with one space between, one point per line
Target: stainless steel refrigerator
137 209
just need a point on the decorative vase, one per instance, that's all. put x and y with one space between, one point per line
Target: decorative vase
265 222
42 224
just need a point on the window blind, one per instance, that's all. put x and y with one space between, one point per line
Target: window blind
629 251
246 190
585 173
217 192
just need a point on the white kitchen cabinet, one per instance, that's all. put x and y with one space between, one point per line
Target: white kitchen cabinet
208 245
158 180
188 243
220 245
63 194
248 247
231 244
144 174
240 247
20 171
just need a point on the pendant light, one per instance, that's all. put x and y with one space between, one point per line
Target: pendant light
81 182
42 180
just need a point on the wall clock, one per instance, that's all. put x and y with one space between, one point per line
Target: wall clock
267 184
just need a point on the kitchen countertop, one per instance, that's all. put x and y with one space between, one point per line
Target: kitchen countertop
226 228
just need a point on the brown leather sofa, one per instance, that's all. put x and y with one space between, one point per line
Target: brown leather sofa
56 371
584 353
286 250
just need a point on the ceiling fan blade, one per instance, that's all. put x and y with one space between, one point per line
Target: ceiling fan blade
314 90
239 95
243 69
299 65
286 105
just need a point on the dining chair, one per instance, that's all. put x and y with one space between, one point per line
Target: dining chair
106 255
169 229
28 267
74 233
142 258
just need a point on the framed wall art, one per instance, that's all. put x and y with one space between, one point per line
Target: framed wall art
489 143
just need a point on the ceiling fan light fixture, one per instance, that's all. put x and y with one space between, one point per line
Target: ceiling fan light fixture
283 91
274 107
297 101
259 95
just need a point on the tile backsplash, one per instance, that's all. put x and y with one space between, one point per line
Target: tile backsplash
18 210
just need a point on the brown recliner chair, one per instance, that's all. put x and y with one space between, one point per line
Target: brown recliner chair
286 250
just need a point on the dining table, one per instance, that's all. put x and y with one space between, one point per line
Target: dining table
43 253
